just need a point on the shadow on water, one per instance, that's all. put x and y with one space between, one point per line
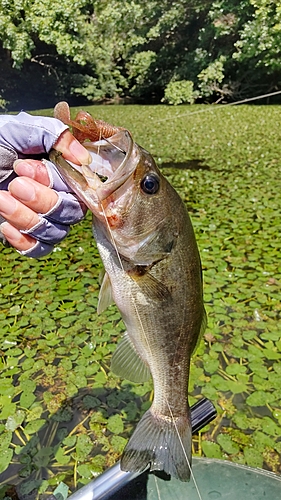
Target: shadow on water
198 164
134 490
50 451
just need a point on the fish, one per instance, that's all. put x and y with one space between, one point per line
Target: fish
153 273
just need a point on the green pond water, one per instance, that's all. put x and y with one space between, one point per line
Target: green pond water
64 417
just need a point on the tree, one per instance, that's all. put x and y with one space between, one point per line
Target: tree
100 49
260 39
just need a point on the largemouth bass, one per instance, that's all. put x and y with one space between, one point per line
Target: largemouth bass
153 274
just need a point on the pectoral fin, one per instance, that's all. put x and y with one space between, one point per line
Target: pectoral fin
105 295
126 362
150 286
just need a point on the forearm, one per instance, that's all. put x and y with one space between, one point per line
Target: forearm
24 135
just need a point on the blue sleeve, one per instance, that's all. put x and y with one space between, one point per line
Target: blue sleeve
28 136
24 135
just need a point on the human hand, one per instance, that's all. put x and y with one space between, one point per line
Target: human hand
38 190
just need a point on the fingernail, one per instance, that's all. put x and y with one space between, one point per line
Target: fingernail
21 167
8 204
11 233
22 189
80 153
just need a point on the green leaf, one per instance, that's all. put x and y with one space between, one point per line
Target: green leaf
6 388
34 426
43 456
6 456
271 354
211 365
270 427
130 411
91 402
241 420
83 448
34 413
14 310
259 369
219 383
253 457
236 387
235 368
28 486
260 398
115 424
8 411
70 441
61 457
97 464
14 421
211 450
118 443
85 471
27 399
227 444
262 440
28 386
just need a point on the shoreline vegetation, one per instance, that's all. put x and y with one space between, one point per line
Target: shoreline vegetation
156 51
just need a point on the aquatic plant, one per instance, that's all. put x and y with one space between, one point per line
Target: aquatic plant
64 417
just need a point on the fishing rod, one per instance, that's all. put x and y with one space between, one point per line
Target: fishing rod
113 479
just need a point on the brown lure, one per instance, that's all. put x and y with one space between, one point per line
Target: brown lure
84 127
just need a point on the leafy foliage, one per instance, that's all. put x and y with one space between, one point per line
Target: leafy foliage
64 416
260 38
132 49
180 92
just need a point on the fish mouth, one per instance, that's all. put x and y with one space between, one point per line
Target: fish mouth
105 180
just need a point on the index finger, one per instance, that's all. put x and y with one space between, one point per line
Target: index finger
72 149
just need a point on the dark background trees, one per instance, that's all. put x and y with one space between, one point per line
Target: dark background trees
91 51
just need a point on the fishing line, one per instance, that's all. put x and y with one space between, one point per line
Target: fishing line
148 344
243 101
186 457
157 488
114 145
211 108
122 267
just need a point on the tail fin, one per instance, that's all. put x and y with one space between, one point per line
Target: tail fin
162 443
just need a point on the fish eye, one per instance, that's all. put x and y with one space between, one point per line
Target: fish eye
150 184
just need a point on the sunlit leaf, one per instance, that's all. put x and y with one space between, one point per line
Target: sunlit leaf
14 421
260 398
253 457
227 444
211 450
115 424
34 426
83 448
118 443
